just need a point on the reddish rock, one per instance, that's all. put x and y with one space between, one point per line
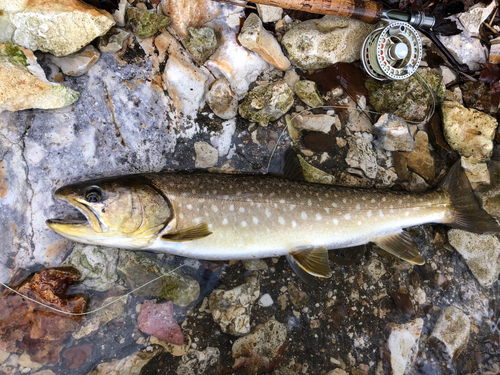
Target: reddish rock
76 356
158 320
38 330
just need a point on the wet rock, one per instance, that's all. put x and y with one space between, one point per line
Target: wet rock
403 344
406 98
96 264
100 318
465 47
144 23
187 14
255 264
489 195
291 78
451 331
23 84
235 63
76 356
318 123
138 269
254 37
77 63
206 155
60 27
267 103
494 56
308 92
232 308
357 121
158 320
258 351
361 154
471 133
475 16
375 269
222 100
175 350
318 43
476 172
201 43
420 159
186 84
476 95
269 13
481 252
196 362
113 41
120 13
298 297
393 133
130 365
25 361
28 326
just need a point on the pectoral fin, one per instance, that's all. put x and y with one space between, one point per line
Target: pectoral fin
188 234
402 246
313 261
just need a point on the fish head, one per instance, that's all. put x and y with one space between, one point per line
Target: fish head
123 212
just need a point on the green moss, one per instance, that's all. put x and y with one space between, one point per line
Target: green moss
13 54
201 43
145 24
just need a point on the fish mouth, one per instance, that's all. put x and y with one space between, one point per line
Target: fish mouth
89 224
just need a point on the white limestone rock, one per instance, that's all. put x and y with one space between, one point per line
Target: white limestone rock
235 63
77 63
254 37
60 27
23 84
206 155
130 365
198 362
269 13
451 331
481 252
232 308
393 133
113 41
361 155
403 345
266 300
255 264
316 44
475 16
308 121
222 100
465 48
120 14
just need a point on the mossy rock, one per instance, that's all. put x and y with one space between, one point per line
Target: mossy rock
145 24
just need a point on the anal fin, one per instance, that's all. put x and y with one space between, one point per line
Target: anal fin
188 234
402 246
313 261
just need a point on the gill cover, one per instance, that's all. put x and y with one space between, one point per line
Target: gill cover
127 212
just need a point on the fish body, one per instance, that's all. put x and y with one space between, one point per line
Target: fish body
227 216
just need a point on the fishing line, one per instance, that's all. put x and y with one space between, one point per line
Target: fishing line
95 310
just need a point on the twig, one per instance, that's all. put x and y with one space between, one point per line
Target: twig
468 76
494 15
491 28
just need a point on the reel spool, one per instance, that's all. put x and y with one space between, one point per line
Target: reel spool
393 52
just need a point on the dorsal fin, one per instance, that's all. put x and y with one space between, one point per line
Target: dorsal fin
402 246
313 261
188 234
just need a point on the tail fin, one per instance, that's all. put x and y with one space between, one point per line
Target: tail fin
466 213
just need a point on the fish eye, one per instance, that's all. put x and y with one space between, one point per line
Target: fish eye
93 194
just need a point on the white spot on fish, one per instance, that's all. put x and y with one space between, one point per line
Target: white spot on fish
344 200
407 213
268 212
309 202
255 220
327 210
318 217
347 216
335 221
303 215
224 221
214 192
181 216
373 200
359 222
242 209
358 207
292 207
391 211
197 220
260 195
189 206
294 223
297 195
334 205
380 213
231 207
210 226
244 224
281 220
383 199
215 208
282 201
369 213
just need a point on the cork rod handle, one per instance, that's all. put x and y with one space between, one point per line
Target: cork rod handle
366 11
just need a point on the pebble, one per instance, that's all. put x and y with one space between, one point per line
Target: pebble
206 155
129 365
451 331
420 159
308 92
403 344
255 264
113 41
200 43
393 133
310 122
198 362
269 13
489 195
222 100
78 63
361 154
157 319
266 300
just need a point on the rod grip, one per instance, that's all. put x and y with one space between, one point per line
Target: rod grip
366 11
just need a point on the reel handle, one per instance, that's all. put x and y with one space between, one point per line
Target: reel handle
366 11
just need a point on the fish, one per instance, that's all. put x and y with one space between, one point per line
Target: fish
220 217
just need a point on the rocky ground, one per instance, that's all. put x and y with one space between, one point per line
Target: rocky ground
143 86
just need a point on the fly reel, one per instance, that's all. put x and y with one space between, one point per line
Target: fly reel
393 52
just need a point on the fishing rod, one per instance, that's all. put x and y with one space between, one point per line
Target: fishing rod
393 52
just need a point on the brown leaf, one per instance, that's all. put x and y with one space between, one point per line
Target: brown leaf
348 75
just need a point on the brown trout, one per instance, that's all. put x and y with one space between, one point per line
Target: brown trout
223 217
